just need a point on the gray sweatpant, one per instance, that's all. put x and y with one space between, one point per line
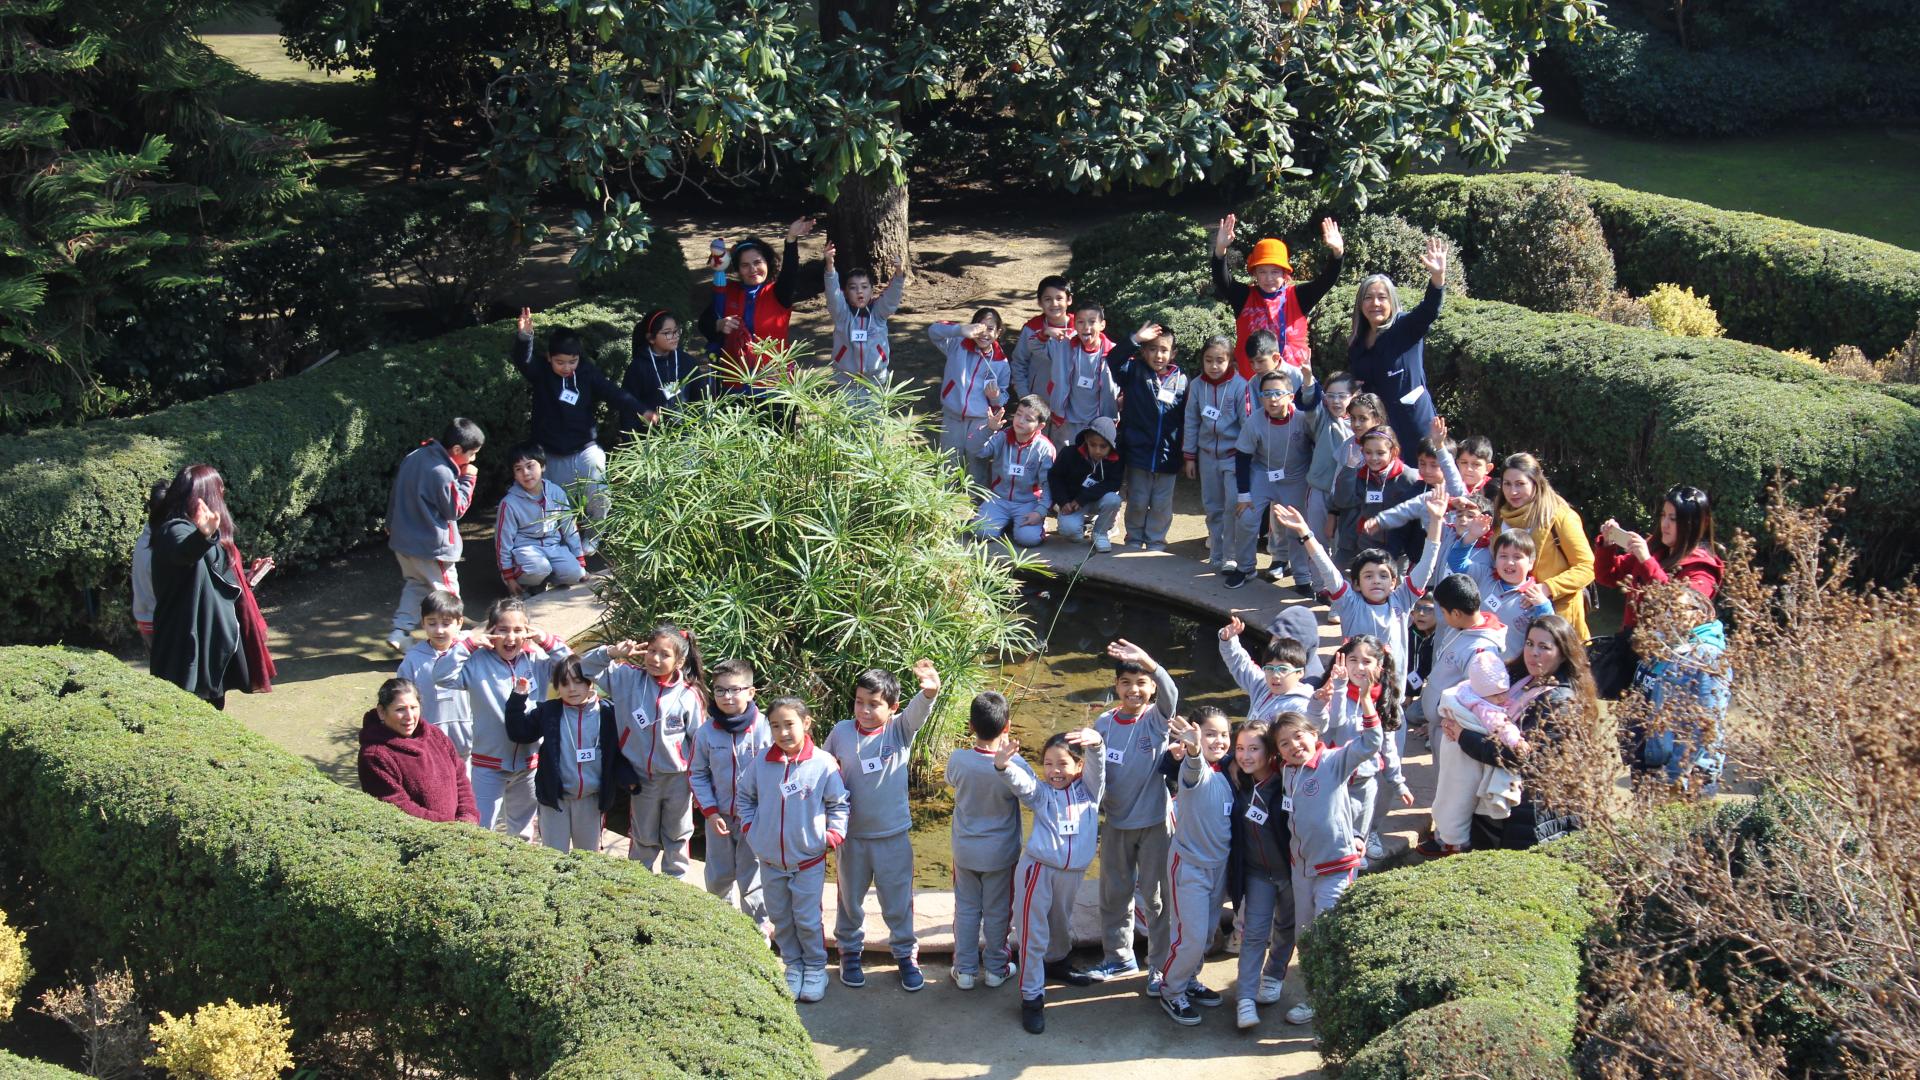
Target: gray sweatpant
575 826
588 466
794 906
1267 493
1317 515
1216 499
960 437
1266 935
1074 522
1364 794
1195 914
420 577
661 824
1149 505
1046 913
1133 861
730 863
886 865
1314 895
982 904
501 795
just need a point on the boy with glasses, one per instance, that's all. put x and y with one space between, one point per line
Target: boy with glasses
1273 687
1271 458
723 749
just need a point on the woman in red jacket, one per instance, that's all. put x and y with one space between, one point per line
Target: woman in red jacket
758 304
1684 552
410 763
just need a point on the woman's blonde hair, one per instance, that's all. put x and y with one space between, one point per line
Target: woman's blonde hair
1546 505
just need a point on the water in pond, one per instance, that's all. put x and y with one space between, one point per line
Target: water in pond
1070 682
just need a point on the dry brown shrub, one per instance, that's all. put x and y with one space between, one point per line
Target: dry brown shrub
106 1015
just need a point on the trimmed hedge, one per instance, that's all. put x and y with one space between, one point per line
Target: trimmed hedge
1620 414
308 460
19 1068
1773 282
149 828
1504 925
1490 1037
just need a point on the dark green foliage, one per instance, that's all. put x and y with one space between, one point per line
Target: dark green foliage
1495 924
148 828
1538 244
1389 244
1152 266
1773 282
19 1068
308 460
1494 1038
439 240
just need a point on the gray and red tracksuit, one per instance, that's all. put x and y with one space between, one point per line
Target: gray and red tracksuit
793 810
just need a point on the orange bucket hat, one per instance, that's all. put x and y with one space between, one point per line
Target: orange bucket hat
1269 252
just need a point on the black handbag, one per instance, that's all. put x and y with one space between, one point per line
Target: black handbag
1613 663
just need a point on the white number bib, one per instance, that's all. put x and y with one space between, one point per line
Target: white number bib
1069 827
670 391
1256 815
870 765
1276 475
789 789
1116 755
568 397
1084 382
1286 803
586 754
1376 497
1166 394
1088 482
1210 413
641 719
858 337
1016 470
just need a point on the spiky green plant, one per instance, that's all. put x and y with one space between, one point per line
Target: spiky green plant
814 534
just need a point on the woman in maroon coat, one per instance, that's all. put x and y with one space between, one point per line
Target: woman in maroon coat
410 763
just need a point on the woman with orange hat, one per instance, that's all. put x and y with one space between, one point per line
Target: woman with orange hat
1273 302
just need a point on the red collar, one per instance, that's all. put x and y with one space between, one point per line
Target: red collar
1287 419
1011 441
1353 692
774 753
671 680
1488 621
1100 344
1039 322
973 346
1319 751
868 730
1222 380
1122 718
1394 468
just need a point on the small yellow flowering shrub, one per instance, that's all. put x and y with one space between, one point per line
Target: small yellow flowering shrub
14 971
224 1042
1676 310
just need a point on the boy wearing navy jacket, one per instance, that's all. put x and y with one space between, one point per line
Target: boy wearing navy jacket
566 391
1086 479
1153 415
431 492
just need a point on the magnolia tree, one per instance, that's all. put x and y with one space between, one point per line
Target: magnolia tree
612 98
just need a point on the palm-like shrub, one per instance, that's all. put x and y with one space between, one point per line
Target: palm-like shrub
813 534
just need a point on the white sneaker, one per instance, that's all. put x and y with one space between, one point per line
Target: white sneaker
1299 1014
963 980
398 641
794 974
993 980
1246 1015
1270 990
1376 850
1102 543
813 985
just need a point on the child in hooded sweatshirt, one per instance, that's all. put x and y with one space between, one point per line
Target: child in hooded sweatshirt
579 776
1065 804
795 795
1133 828
872 749
986 844
724 748
1274 686
441 617
535 539
1218 404
973 388
1197 860
1018 460
502 768
861 351
1086 480
1320 814
1080 384
1153 403
1270 469
661 704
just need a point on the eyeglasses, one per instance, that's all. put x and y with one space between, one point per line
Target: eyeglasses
671 331
731 691
1338 398
1276 393
1282 670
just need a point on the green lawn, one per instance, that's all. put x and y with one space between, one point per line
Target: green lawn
1858 181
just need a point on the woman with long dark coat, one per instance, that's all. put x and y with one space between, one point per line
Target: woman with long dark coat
208 635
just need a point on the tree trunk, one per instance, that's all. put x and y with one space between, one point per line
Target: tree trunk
870 226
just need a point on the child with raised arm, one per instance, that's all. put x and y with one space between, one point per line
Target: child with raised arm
431 493
1153 403
861 349
973 388
1274 303
872 749
1270 470
441 617
1503 573
661 704
1033 352
724 748
1320 813
579 775
502 768
567 392
795 795
1218 404
1133 826
535 539
986 844
1080 385
1019 459
1273 686
1434 464
1339 720
1065 804
1197 859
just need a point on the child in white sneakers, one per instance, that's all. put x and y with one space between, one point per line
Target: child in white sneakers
986 845
1197 860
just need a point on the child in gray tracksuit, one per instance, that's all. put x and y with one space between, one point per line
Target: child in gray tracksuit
986 844
1079 384
502 769
872 749
1217 406
1019 458
446 709
1273 686
661 705
794 794
1197 863
724 748
1314 793
1270 468
1340 718
861 348
535 539
1331 432
1065 816
1133 829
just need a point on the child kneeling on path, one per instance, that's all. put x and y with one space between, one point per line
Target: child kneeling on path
1065 816
1019 458
535 537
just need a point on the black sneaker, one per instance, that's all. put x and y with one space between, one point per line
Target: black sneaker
1180 1009
1233 579
1032 1014
1200 995
1059 972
